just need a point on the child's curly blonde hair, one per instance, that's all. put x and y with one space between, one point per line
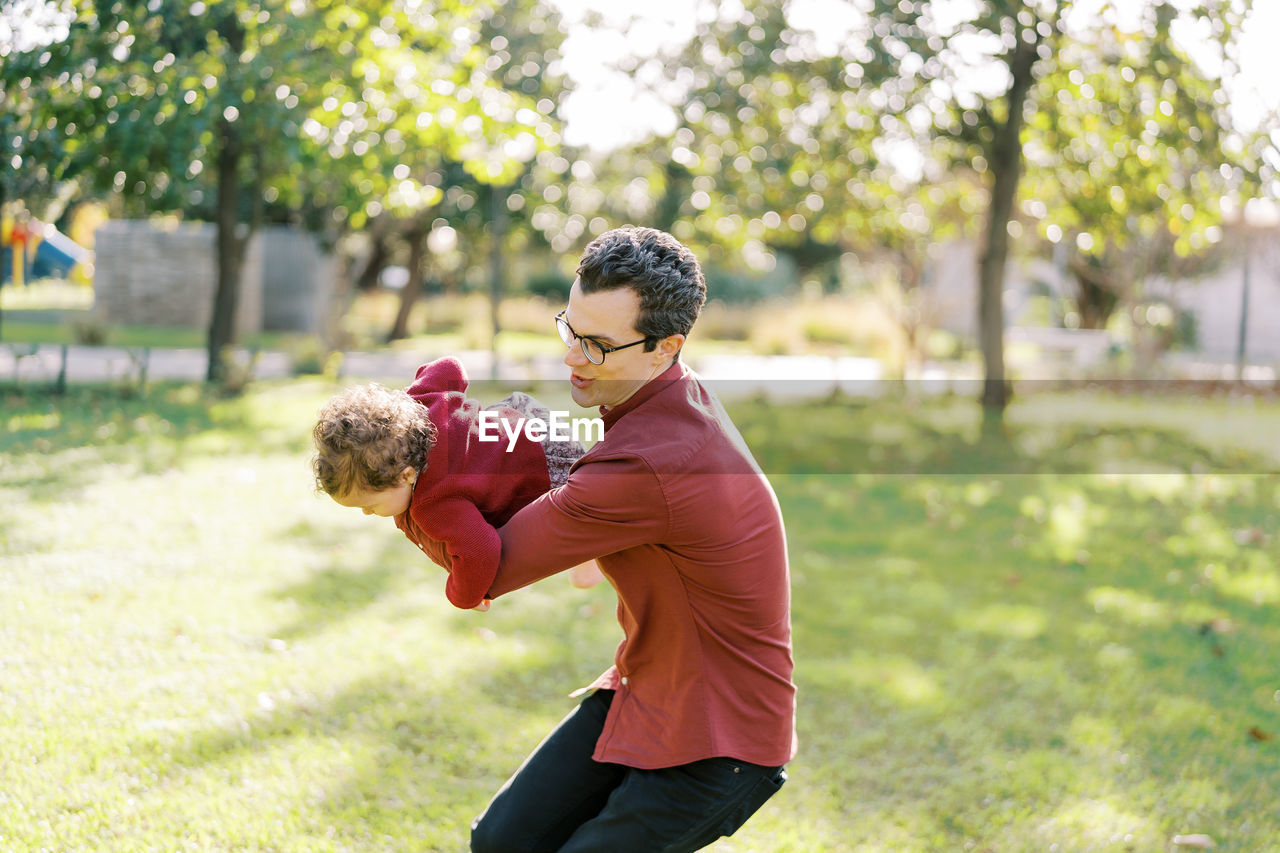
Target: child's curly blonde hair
366 436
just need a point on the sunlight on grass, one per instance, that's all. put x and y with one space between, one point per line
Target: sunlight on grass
1257 582
1093 824
898 678
1130 606
993 651
1014 622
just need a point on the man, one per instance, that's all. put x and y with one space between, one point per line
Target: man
686 736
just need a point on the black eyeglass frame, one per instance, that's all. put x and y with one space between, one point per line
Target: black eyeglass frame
568 335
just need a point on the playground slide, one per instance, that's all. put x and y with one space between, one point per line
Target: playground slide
53 255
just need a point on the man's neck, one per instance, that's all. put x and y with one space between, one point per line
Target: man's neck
670 364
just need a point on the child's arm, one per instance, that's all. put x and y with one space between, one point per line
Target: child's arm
470 544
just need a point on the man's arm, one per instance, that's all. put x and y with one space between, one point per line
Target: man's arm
606 506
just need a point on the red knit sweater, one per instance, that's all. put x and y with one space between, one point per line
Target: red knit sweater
468 487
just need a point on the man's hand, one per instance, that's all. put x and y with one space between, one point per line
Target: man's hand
585 575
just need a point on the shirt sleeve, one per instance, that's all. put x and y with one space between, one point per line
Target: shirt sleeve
606 506
470 543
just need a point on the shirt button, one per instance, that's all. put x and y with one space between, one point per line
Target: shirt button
624 680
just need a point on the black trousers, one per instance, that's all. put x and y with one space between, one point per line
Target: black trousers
561 800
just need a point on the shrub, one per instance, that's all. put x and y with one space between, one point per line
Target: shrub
553 286
91 331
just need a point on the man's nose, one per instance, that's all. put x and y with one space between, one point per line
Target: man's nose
367 511
574 356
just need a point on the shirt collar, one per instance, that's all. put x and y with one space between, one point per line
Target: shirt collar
674 373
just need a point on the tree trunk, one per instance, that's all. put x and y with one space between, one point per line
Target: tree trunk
674 192
498 233
1006 167
230 246
413 287
368 278
911 316
1097 294
230 250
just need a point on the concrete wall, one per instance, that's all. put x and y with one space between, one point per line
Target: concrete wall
298 280
1214 301
1217 301
165 274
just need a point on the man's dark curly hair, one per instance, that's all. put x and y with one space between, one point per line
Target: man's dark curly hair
366 436
661 271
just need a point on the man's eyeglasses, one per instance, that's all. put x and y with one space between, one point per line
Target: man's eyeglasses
591 348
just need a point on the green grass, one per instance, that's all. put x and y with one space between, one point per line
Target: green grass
1053 639
44 329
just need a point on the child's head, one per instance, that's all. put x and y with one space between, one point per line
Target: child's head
371 441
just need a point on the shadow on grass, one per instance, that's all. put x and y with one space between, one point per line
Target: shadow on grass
62 442
338 591
946 436
980 683
422 746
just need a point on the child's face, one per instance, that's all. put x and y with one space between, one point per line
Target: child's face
387 502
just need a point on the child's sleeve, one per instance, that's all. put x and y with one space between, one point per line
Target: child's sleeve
471 543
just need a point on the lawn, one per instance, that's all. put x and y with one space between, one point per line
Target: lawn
1058 639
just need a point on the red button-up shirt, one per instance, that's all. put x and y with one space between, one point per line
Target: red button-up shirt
687 529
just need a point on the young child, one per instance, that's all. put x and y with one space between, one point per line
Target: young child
415 456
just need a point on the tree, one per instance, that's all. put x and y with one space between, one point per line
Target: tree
971 87
33 151
800 144
170 107
1036 43
254 101
1131 177
488 112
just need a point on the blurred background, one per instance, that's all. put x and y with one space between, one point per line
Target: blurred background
944 190
947 190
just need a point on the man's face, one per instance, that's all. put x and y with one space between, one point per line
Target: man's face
609 316
387 503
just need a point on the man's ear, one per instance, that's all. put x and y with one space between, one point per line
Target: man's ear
669 346
409 475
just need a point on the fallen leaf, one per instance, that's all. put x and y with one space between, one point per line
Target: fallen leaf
1202 842
1258 734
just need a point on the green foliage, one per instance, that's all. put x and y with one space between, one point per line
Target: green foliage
738 287
550 285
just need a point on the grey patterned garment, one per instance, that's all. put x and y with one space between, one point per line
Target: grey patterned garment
560 454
